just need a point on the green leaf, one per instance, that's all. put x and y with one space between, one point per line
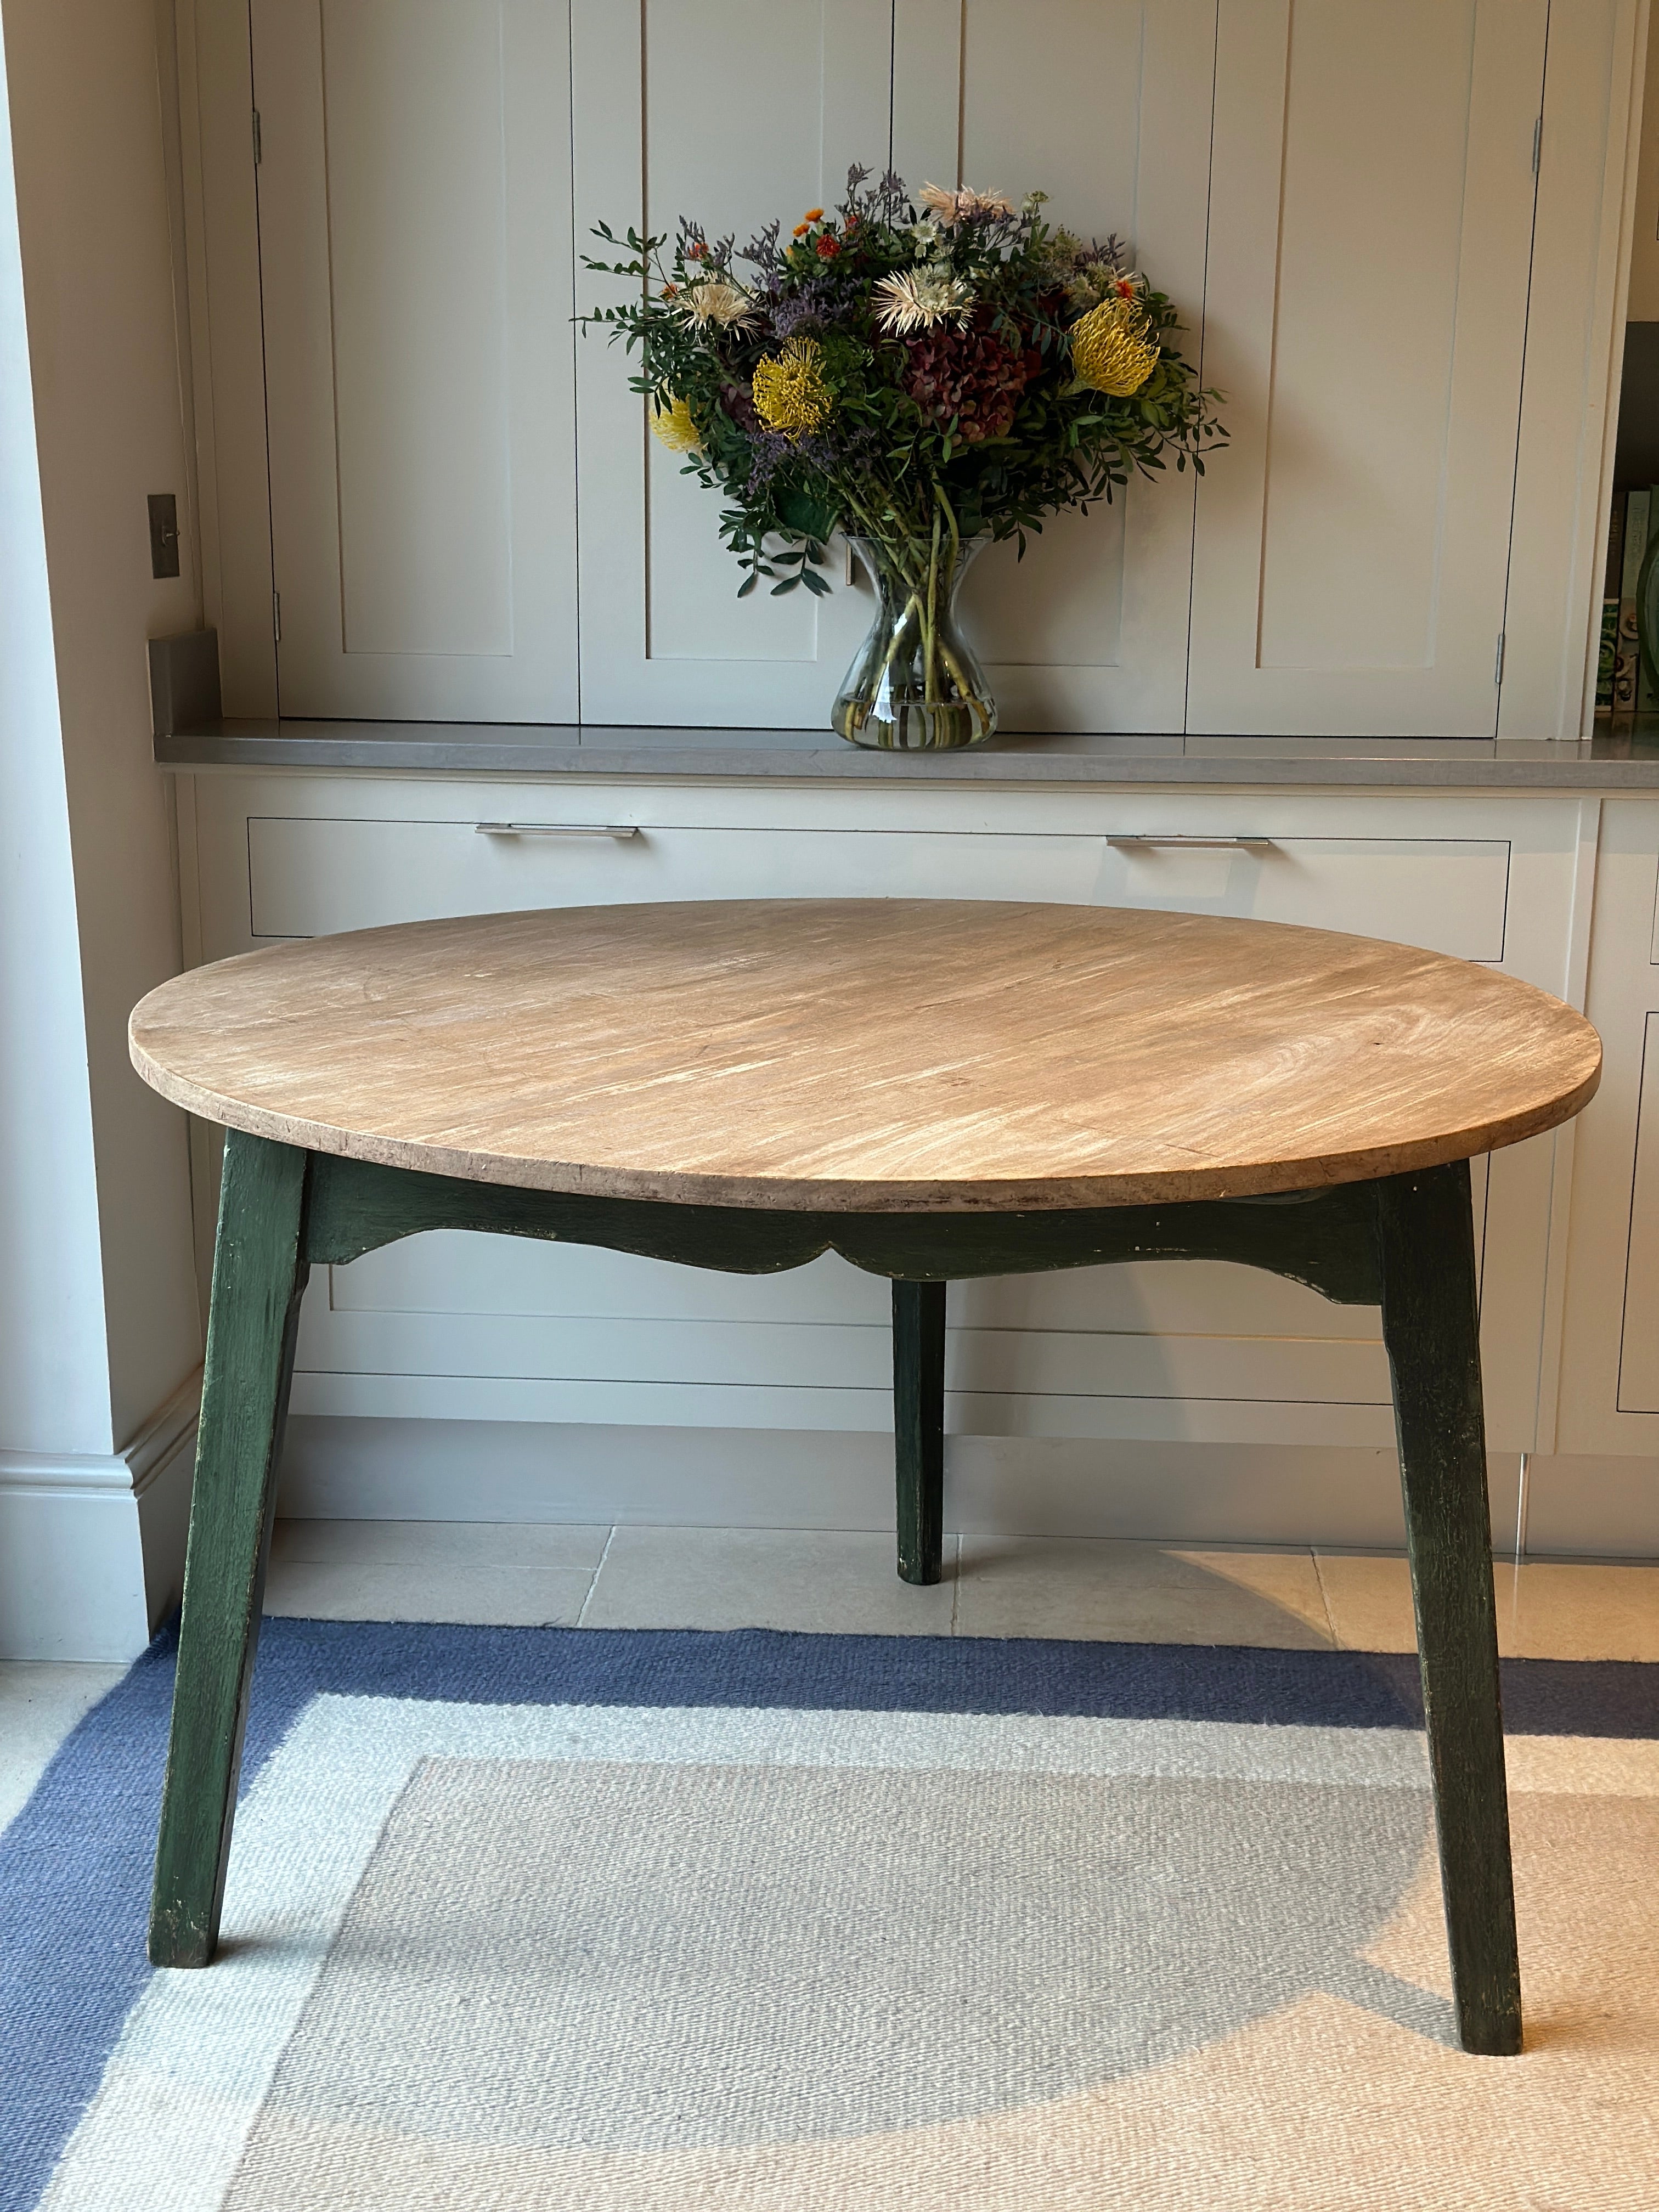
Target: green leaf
807 514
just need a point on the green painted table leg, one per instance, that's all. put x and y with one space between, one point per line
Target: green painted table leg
1430 1325
918 1427
258 1274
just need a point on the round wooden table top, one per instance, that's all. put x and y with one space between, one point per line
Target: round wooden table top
870 1055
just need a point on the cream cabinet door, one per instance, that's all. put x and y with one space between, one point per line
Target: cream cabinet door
1370 244
730 112
415 265
1105 106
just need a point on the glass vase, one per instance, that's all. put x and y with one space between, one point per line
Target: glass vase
916 684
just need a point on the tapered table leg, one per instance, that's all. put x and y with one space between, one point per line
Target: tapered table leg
1430 1325
918 1427
258 1274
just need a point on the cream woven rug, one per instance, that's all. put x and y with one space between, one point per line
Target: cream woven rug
786 1950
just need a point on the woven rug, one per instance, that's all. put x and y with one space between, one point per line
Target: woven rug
520 1920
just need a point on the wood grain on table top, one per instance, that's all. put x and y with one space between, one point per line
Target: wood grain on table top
870 1055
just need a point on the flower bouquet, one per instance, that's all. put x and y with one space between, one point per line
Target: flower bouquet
924 374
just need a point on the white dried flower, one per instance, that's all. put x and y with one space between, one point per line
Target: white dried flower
917 299
716 303
965 206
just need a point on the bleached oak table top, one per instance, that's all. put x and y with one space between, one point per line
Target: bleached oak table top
870 1055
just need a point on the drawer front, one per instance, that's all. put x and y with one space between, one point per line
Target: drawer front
311 876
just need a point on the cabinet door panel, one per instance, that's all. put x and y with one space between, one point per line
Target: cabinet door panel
1089 631
664 637
309 877
414 213
1370 248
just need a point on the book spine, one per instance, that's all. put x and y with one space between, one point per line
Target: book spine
1608 656
1647 697
1637 505
1612 574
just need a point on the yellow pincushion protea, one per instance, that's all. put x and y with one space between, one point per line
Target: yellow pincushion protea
791 395
1112 350
671 422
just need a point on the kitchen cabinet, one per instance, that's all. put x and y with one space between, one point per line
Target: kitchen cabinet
415 258
553 1340
440 502
1371 245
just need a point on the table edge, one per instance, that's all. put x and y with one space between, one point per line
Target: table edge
795 1194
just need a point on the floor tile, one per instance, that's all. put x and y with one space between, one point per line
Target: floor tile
441 1543
1547 1609
41 1701
803 1579
1286 1580
1137 1593
1561 1609
495 1597
1369 1601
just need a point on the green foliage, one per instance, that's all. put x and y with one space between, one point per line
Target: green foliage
941 335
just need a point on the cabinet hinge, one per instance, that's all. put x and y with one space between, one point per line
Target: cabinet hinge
1498 663
259 143
277 617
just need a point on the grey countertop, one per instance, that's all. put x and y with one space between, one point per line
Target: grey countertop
1613 762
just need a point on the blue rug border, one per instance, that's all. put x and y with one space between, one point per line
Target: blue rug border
72 1921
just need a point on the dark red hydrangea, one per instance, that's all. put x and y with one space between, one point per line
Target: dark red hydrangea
975 375
741 408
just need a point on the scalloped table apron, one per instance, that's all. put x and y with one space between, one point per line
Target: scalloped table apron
937 1089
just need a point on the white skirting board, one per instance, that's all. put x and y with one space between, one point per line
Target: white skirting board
336 1468
92 1547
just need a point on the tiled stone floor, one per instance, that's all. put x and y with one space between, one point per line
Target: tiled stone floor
41 1701
634 1577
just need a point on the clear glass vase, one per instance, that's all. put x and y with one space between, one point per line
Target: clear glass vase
916 684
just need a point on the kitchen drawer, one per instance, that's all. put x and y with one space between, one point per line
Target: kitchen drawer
310 876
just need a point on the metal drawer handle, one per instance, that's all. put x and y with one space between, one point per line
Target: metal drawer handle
557 828
1229 844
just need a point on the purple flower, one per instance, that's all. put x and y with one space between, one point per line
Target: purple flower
808 309
761 251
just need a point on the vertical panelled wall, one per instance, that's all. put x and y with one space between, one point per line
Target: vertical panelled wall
1090 631
416 255
1107 108
1366 313
732 113
468 518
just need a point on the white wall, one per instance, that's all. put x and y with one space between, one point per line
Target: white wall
97 1294
1643 303
53 1372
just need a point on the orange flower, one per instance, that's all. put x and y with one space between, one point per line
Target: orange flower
801 229
814 214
